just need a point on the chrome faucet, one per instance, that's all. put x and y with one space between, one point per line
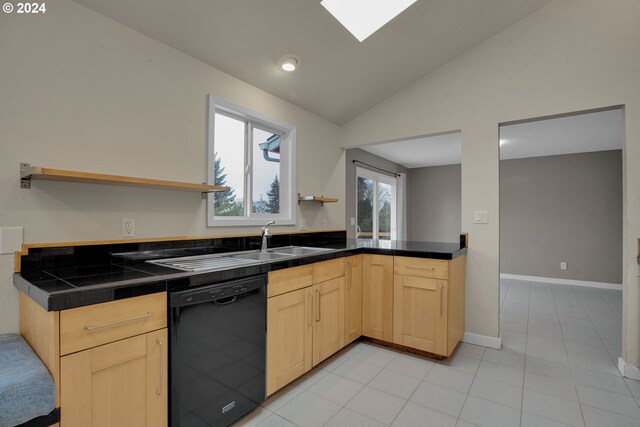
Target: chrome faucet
265 235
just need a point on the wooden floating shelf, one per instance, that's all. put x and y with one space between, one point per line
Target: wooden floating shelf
319 199
28 173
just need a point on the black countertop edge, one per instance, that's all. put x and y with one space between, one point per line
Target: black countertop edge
179 280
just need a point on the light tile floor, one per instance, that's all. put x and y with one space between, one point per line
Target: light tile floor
557 367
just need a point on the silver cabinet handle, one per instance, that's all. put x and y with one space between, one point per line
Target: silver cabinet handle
119 322
318 312
161 350
415 267
441 292
349 265
310 322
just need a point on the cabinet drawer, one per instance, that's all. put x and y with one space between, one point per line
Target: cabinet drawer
94 325
421 267
288 280
327 270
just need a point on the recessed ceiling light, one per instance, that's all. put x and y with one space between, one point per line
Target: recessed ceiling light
289 62
364 17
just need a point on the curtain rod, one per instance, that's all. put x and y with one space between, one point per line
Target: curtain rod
375 167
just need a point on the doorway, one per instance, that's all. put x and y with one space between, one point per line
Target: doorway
376 205
419 178
561 238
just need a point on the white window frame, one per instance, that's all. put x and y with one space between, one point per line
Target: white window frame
377 178
287 214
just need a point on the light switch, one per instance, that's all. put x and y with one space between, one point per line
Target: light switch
10 239
480 217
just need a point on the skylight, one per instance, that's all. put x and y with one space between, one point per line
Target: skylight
364 17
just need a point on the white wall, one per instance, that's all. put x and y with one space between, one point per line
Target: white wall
570 55
79 91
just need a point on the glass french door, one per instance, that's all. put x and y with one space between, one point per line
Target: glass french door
375 206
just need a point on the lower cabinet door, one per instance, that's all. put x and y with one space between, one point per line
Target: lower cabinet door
420 313
353 300
328 326
290 322
377 296
123 383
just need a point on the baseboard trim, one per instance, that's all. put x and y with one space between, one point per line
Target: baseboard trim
557 281
628 371
483 340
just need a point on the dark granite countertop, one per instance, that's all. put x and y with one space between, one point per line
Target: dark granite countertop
128 276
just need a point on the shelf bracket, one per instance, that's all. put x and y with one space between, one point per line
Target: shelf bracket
25 175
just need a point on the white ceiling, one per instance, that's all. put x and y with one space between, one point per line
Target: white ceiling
339 78
582 133
433 150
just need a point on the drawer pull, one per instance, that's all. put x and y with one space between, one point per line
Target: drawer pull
415 267
160 351
119 322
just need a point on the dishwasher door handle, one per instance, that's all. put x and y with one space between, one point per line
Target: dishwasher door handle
230 301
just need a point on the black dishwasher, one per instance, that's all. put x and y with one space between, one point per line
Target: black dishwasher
218 352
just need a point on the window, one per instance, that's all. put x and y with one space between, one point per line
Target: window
253 155
375 205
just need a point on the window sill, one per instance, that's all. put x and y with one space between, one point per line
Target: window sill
240 222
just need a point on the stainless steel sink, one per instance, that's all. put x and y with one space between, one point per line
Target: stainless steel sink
299 250
262 256
203 262
217 262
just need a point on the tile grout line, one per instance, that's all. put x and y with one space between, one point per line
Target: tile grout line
524 371
366 385
601 340
471 385
414 391
307 389
573 377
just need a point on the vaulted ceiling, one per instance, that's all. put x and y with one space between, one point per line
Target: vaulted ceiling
339 77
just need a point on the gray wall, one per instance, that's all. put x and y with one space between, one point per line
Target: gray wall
434 204
562 208
350 178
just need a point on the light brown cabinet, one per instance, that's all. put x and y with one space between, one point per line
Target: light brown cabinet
116 384
353 300
290 323
109 360
419 313
377 296
328 325
305 319
428 303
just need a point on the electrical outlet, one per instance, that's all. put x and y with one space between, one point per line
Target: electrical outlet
353 221
324 223
303 224
563 265
128 227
